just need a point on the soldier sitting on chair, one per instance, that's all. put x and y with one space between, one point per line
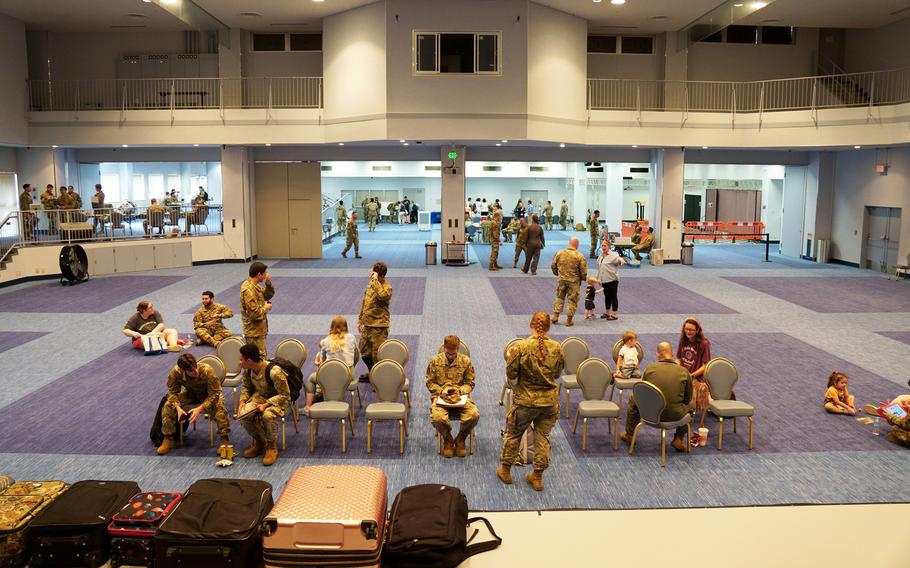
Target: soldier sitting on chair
449 376
190 383
264 400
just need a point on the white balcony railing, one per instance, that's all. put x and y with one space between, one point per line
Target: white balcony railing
171 94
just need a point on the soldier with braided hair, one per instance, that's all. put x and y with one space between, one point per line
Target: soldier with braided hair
533 367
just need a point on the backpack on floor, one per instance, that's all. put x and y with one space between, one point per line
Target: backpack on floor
295 375
155 433
429 526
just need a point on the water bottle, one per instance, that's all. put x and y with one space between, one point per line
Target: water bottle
876 426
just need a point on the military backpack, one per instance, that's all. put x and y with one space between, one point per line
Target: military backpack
293 372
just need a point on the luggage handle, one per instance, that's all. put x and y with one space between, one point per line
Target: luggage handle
478 547
222 551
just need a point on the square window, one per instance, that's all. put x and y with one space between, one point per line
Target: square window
638 44
456 53
742 34
601 44
268 42
777 35
306 42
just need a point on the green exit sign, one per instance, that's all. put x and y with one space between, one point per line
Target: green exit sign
453 155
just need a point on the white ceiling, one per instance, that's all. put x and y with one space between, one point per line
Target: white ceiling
635 16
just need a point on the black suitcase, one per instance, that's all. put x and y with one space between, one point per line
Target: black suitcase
217 524
72 531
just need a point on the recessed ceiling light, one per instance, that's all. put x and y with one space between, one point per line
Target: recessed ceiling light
268 143
562 145
505 141
124 145
405 144
758 5
55 146
598 1
147 1
341 143
317 0
499 143
617 2
171 2
635 145
660 18
738 5
195 145
857 147
402 140
250 15
704 147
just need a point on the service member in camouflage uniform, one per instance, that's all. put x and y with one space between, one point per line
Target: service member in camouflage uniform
74 197
372 214
594 230
564 215
495 226
98 207
485 230
341 217
571 269
207 321
392 207
25 206
64 204
353 238
373 321
533 367
521 240
49 202
511 229
900 431
548 216
192 383
452 371
255 305
268 399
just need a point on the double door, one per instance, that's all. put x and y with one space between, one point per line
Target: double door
881 237
288 210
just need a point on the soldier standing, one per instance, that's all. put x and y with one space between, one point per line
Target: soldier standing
265 398
255 305
363 205
353 238
207 321
495 225
548 216
521 240
190 382
451 374
49 202
564 215
98 207
64 204
571 269
373 321
594 229
533 367
341 217
372 214
25 211
391 208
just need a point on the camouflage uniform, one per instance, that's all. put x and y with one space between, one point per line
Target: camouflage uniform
49 202
372 214
341 218
442 375
900 433
520 242
353 239
154 218
535 399
98 207
253 313
28 218
548 217
564 215
257 390
485 229
363 206
594 230
76 200
495 226
571 268
511 229
64 204
391 208
208 325
202 390
374 315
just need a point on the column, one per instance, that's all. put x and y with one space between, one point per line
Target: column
666 200
612 213
452 196
230 68
237 191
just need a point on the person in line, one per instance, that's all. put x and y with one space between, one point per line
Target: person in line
338 344
450 375
520 240
645 245
571 269
548 216
207 321
255 305
837 399
374 319
192 383
341 217
533 367
564 215
98 207
49 202
627 364
484 207
675 383
495 227
594 230
590 294
693 353
148 320
353 238
496 205
264 399
154 218
534 243
403 215
25 210
608 264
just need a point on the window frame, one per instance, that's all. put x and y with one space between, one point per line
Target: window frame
287 42
618 46
476 52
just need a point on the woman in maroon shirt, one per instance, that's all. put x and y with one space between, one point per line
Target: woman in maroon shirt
693 353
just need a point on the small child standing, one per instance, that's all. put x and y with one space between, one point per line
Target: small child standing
590 294
837 399
627 362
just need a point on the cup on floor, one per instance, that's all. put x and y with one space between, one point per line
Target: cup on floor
703 436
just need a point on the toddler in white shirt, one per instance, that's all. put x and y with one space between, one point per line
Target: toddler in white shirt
627 362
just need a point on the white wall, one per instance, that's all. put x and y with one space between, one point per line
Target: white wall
624 66
557 64
14 71
37 167
856 186
747 62
879 48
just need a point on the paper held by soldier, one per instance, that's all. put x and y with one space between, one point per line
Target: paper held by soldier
463 400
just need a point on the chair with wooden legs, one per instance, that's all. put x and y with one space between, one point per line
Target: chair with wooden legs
651 405
623 384
722 375
387 378
593 377
333 377
229 353
575 350
506 393
396 350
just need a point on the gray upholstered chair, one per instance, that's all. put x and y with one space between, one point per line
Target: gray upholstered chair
721 375
294 351
387 378
593 377
506 393
333 377
462 348
651 404
229 353
623 384
396 350
575 350
217 366
354 387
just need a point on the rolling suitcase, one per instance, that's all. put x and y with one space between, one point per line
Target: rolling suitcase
25 500
216 524
72 531
133 528
5 481
328 516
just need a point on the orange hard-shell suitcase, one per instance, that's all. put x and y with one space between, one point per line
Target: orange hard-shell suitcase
328 515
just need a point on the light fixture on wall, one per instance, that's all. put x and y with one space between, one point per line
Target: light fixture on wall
505 141
617 2
562 144
268 143
857 147
195 145
499 144
341 143
124 145
55 146
704 147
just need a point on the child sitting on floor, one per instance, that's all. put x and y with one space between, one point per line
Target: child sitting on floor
627 362
837 399
590 294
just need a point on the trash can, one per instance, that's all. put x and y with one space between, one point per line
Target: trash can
431 252
687 254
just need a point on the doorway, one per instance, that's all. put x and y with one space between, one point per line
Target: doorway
692 208
881 236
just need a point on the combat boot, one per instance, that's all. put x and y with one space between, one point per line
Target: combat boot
536 480
344 253
256 448
555 318
357 255
448 448
569 322
166 445
504 474
271 454
460 450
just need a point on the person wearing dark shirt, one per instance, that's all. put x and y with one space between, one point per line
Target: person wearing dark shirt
693 353
148 320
